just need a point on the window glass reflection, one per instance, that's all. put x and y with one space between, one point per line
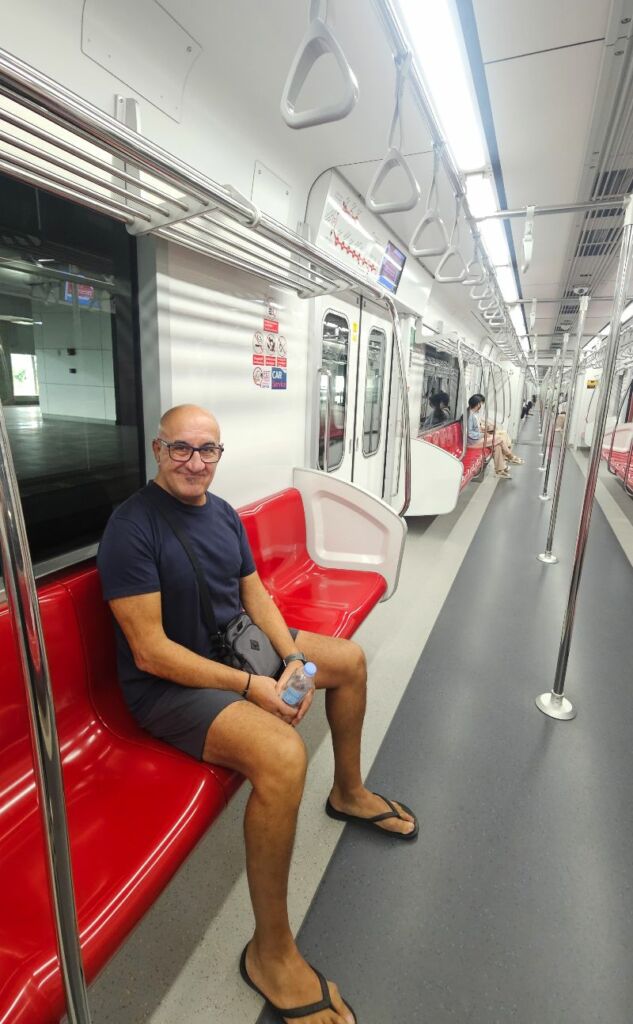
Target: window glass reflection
334 361
68 380
374 380
440 389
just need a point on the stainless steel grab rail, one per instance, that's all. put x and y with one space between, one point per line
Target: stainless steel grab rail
628 489
462 380
324 372
25 616
547 557
554 703
406 427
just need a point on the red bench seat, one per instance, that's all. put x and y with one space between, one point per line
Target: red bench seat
617 462
450 439
136 807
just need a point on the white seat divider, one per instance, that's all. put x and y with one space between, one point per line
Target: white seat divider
349 528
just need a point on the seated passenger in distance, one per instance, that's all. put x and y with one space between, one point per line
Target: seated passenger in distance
440 411
475 438
178 688
488 427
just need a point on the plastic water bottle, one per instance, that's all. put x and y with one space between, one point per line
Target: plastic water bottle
300 683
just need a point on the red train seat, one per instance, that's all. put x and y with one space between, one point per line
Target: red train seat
450 438
332 601
115 775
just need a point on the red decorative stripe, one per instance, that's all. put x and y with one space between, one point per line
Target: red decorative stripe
354 253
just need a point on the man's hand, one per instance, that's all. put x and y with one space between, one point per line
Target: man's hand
301 711
264 692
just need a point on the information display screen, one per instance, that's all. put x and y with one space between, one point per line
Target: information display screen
391 267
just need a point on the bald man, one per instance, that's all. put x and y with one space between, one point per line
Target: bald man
178 688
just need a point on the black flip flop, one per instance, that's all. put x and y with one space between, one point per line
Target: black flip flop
296 1011
373 822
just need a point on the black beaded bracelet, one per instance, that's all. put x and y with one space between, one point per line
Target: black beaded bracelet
245 690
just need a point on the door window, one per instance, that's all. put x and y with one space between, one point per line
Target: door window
333 389
374 381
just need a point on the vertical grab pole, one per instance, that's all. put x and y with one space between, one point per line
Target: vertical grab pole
321 373
547 557
537 389
548 410
484 384
25 615
462 377
558 387
406 429
554 703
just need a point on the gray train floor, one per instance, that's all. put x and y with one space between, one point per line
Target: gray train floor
515 904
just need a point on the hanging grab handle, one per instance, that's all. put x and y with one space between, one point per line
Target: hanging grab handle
484 291
453 252
394 156
431 216
528 239
317 42
475 270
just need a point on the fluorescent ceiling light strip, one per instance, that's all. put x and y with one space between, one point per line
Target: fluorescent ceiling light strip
437 42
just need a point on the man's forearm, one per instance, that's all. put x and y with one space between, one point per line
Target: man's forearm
169 660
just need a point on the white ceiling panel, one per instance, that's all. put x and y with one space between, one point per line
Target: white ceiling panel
541 107
514 27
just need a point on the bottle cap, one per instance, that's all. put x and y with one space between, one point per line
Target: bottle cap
310 668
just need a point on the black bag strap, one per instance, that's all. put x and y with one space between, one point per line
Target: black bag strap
160 501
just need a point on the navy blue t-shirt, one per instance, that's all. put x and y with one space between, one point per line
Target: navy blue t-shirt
140 554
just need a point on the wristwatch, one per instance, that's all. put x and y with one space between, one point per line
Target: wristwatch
295 656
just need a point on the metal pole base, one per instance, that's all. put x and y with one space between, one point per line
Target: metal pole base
548 558
544 497
556 706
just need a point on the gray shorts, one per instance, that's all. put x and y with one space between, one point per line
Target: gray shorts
181 715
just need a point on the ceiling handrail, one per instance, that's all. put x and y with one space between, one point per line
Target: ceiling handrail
430 216
394 156
317 41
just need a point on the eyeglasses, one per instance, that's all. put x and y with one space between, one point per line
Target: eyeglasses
179 451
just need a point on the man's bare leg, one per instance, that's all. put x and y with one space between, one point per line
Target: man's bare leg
272 756
342 672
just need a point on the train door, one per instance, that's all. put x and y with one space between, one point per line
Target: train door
354 372
372 406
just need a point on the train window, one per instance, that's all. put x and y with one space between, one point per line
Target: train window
68 366
374 387
440 389
334 361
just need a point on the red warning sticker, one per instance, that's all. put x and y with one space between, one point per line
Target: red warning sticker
272 326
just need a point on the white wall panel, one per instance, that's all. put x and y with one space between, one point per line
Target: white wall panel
79 401
211 314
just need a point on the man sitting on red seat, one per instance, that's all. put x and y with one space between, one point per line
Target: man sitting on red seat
179 689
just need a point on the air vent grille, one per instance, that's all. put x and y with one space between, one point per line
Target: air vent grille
613 183
598 241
